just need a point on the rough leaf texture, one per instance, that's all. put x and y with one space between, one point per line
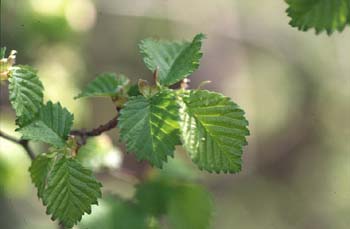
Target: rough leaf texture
107 84
149 126
26 93
322 15
71 190
175 60
214 131
52 125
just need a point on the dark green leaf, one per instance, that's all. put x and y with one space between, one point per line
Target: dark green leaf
70 192
149 126
52 125
26 93
322 15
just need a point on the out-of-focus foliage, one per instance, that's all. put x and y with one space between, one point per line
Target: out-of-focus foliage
99 153
178 202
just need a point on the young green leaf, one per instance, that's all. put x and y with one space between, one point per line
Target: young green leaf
174 60
70 192
149 126
52 125
39 170
105 85
322 15
214 131
25 92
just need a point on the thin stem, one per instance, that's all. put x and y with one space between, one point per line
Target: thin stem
84 134
23 143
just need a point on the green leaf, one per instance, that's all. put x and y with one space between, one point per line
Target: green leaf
175 60
149 126
214 131
106 85
39 170
2 52
52 125
70 192
190 206
25 92
322 15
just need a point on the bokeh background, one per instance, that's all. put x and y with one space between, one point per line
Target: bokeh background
294 87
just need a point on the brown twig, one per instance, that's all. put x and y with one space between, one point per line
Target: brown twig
22 142
84 134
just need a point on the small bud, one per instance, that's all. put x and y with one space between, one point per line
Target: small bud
6 64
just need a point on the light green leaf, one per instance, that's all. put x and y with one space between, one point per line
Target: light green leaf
70 192
149 126
39 170
52 125
106 85
214 131
190 206
174 60
25 92
322 15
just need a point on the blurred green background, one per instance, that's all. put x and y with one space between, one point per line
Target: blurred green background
294 87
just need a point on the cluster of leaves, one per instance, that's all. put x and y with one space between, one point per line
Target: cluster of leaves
322 15
152 120
66 187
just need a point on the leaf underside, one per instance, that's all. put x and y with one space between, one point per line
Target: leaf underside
105 85
323 15
174 60
52 125
25 92
149 126
214 131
